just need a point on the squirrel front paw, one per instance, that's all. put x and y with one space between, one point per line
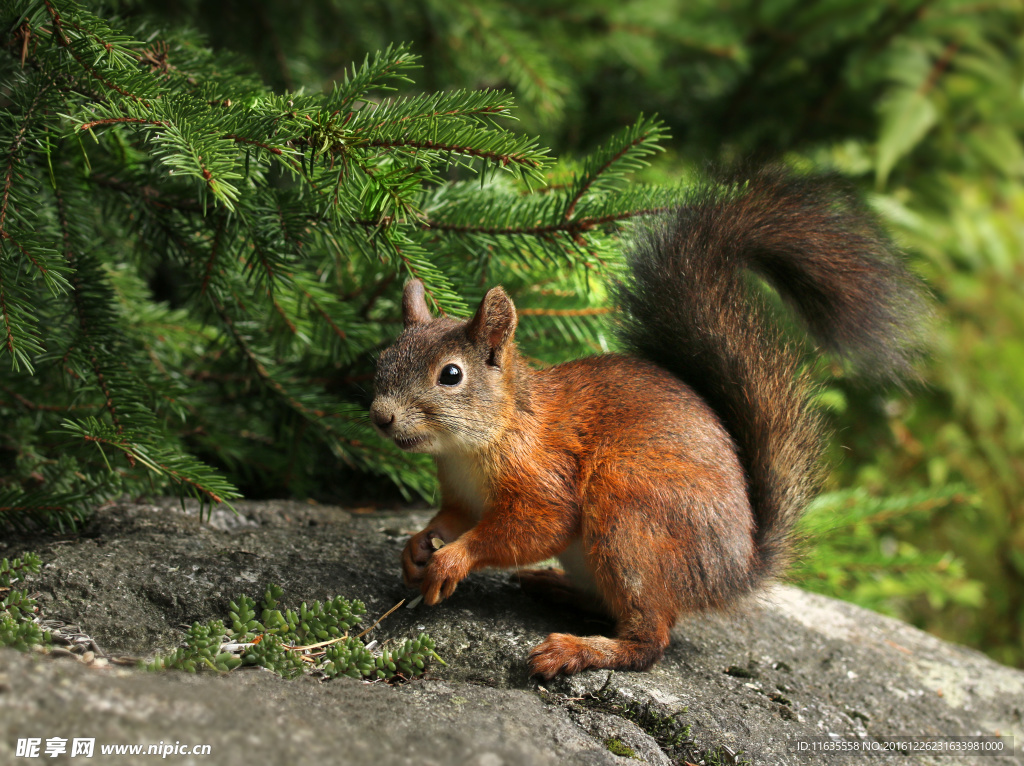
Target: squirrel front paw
417 554
448 566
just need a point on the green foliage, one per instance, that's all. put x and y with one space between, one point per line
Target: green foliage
851 556
351 658
20 634
668 731
317 622
17 627
748 77
202 648
196 272
271 653
14 571
281 642
616 746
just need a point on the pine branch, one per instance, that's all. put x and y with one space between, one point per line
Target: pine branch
382 72
313 415
626 153
31 510
432 109
82 45
15 147
197 479
503 158
563 312
199 272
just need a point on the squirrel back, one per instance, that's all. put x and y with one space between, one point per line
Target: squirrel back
689 306
667 479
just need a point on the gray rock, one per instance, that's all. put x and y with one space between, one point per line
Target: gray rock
789 666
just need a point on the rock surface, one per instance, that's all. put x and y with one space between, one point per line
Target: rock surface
790 666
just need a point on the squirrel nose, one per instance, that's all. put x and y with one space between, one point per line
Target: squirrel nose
383 420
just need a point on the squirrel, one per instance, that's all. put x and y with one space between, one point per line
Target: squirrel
666 479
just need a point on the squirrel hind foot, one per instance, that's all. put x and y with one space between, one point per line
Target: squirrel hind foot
561 653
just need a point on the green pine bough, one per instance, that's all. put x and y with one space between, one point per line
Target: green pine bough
281 642
197 272
17 628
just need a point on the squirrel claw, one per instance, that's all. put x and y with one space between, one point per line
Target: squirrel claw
561 653
553 656
416 556
448 566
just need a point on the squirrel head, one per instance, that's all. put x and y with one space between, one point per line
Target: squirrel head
446 385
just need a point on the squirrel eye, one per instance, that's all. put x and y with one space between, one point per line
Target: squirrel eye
451 375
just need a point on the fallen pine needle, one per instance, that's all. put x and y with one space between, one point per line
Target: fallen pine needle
389 611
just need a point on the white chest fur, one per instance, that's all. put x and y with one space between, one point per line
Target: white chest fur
463 481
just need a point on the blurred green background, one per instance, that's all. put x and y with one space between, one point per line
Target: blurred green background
921 103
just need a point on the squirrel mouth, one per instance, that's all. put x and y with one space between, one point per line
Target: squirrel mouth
409 443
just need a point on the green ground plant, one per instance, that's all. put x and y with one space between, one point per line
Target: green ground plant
17 627
314 638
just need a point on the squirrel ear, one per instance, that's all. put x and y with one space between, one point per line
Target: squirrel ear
494 323
414 304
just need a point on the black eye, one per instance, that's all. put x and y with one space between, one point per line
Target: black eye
451 375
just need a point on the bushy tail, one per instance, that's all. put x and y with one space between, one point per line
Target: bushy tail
691 307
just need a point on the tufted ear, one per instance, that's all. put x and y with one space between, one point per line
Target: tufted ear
414 304
493 325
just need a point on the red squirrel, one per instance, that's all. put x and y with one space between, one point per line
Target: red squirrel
668 478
